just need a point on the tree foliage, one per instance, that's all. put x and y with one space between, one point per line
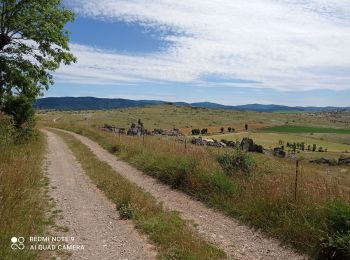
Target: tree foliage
33 44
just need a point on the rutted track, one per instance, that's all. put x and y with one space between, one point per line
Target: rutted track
91 218
238 241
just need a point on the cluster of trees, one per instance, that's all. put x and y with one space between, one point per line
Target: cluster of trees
197 131
229 129
33 44
302 146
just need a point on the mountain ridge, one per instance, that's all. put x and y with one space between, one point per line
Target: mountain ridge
93 103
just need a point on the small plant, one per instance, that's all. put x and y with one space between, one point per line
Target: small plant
124 209
115 149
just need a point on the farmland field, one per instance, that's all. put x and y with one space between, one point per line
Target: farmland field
306 129
271 140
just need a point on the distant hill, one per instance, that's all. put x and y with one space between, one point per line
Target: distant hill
88 103
92 103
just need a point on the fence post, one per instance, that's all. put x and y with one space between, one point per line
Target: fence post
185 144
296 180
143 140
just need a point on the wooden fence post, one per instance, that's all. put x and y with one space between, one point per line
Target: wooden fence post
296 180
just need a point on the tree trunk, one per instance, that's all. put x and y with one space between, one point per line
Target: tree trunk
2 92
4 40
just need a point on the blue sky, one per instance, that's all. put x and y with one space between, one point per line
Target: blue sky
230 52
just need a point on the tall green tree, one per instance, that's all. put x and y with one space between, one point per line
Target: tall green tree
33 44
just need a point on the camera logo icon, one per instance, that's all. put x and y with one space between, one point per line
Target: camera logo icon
17 243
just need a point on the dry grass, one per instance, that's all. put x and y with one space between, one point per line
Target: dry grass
22 197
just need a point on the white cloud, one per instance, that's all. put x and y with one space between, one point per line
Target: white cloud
277 42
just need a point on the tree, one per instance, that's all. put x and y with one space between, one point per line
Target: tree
222 130
246 127
33 44
229 129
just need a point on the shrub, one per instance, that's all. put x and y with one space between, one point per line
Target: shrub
22 111
236 162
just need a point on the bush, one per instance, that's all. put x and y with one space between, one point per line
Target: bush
196 131
335 243
236 162
22 111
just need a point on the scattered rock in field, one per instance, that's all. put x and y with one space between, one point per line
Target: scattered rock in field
248 145
344 161
113 129
279 152
166 132
207 142
229 143
324 161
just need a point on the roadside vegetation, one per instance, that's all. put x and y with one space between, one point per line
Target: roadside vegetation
23 199
172 235
254 188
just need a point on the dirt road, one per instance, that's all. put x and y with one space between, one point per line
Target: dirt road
238 241
91 218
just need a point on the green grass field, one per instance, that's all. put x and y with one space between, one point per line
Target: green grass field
271 140
306 129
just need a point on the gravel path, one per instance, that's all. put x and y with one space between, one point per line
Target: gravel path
91 218
238 241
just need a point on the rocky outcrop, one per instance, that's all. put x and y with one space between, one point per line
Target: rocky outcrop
248 145
137 129
113 129
207 142
321 161
344 161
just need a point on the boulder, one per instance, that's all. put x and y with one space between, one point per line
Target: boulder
248 145
279 152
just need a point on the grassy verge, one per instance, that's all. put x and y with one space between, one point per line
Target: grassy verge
172 236
306 129
264 198
22 197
